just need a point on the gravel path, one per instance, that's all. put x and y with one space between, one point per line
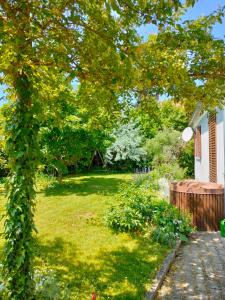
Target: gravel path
198 271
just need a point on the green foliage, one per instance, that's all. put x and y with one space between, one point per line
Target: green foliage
70 146
154 115
165 147
173 115
167 154
48 287
170 223
147 112
22 150
170 171
184 61
149 181
186 159
164 151
127 147
133 212
140 210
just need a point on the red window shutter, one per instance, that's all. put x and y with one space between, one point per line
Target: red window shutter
195 143
198 146
212 148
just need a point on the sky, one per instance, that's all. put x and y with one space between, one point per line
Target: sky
201 8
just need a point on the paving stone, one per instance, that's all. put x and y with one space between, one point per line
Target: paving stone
198 271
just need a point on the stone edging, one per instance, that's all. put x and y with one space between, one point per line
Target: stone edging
161 274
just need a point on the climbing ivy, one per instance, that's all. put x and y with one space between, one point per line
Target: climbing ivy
22 150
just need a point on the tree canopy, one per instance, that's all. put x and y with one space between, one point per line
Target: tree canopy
184 61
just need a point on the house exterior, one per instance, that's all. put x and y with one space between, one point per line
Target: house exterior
209 137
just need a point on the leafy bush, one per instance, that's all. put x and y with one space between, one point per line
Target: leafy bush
164 151
164 147
170 156
133 212
171 171
140 210
187 160
170 223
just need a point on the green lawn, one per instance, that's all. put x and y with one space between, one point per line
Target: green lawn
73 241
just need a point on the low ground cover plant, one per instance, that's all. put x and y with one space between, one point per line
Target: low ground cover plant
141 210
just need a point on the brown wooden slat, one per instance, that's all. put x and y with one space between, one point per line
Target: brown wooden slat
197 139
212 148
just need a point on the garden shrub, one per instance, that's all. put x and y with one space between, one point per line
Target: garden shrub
140 210
169 156
169 223
133 211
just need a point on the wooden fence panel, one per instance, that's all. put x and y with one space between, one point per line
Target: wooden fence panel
207 210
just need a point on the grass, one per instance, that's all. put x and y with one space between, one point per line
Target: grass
86 256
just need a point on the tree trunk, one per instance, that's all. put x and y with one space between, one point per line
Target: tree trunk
22 148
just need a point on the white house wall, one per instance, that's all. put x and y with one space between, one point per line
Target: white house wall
220 146
202 165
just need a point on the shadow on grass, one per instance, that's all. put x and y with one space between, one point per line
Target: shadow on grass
85 186
122 273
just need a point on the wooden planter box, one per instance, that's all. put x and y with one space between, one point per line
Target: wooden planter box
204 201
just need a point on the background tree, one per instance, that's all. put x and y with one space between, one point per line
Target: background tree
127 150
173 115
164 151
61 151
148 115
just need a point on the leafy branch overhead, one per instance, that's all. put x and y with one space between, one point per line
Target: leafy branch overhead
185 61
